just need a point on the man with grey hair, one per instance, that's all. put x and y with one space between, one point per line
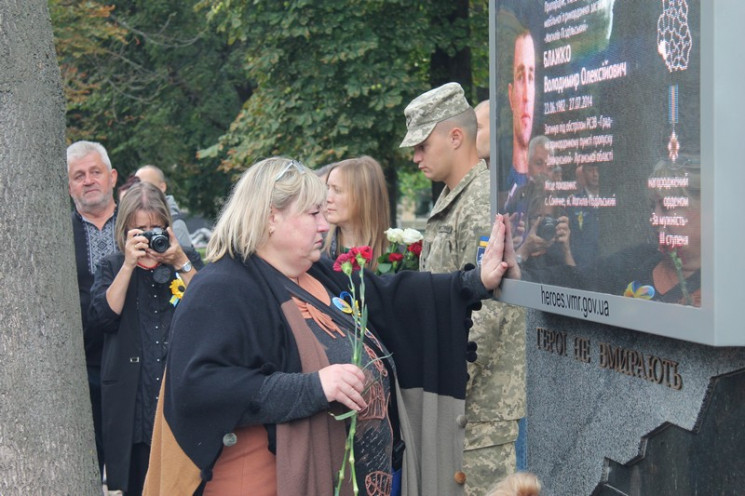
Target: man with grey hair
91 181
442 129
154 175
539 152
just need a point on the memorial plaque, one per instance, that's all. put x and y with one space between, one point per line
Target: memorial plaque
613 153
616 131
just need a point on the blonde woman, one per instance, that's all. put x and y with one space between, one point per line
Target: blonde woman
260 356
357 207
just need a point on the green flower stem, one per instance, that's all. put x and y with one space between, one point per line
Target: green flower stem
350 441
348 455
359 314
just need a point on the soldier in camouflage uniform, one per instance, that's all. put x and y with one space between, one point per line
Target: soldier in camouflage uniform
442 129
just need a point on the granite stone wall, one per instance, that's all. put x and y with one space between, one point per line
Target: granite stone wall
595 393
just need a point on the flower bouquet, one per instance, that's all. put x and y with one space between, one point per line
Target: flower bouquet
352 261
403 251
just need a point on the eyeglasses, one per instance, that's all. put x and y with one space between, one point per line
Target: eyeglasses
292 164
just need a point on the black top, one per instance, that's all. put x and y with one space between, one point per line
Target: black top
87 258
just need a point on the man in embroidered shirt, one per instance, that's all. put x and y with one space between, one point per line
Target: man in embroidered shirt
91 182
442 129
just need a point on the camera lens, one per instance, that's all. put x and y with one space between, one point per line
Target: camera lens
157 240
159 243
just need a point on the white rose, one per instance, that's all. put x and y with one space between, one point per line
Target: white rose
411 236
395 235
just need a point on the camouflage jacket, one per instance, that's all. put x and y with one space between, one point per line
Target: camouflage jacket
495 396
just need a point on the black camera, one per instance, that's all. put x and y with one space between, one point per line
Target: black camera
547 228
157 239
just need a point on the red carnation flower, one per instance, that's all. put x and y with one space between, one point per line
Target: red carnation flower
415 248
346 262
395 257
364 251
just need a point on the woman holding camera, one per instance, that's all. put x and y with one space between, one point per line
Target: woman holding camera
133 298
547 234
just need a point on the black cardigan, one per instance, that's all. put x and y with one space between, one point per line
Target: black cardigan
229 333
121 364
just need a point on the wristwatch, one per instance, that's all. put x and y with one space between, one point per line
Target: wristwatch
186 267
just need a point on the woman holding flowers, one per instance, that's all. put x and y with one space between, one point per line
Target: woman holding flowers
261 354
357 207
132 301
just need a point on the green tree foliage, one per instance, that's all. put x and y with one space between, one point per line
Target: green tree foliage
331 78
154 85
452 23
240 80
479 44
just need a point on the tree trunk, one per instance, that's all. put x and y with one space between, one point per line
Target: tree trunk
46 434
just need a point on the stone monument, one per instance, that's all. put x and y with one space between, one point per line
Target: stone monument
613 411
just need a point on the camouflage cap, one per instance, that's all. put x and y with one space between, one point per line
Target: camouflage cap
430 108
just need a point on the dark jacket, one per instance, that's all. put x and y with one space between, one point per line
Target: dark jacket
230 322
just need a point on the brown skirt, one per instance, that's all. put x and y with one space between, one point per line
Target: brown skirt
247 467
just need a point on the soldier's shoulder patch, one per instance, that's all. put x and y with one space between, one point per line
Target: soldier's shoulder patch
483 242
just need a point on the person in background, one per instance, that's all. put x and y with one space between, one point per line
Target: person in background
483 131
669 268
357 207
547 239
483 147
131 181
91 181
539 153
584 221
154 175
442 128
133 297
260 356
579 177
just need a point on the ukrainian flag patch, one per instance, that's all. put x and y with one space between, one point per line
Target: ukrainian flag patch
483 242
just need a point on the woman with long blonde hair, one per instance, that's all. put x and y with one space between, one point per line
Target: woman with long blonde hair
357 207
